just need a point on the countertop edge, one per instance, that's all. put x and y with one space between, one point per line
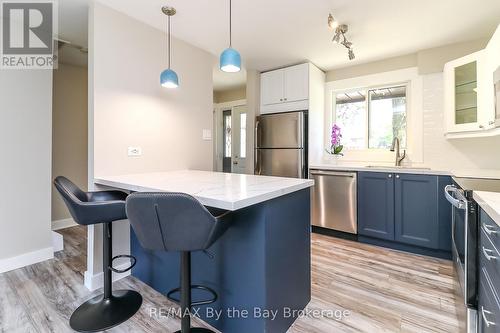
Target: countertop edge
486 205
381 169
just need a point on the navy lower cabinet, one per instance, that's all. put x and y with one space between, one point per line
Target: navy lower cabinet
376 205
416 210
405 211
489 275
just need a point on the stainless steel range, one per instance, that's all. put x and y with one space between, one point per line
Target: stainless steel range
465 227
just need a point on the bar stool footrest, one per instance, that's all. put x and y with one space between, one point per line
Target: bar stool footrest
197 303
132 258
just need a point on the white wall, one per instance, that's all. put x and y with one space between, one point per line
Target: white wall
428 144
69 134
128 107
25 164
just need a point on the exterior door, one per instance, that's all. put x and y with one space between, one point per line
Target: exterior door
376 205
239 136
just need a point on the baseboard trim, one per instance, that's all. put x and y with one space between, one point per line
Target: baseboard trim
57 241
26 259
95 281
63 224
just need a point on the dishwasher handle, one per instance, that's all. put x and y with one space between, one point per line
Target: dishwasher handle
332 173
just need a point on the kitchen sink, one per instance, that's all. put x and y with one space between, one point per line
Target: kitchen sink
396 167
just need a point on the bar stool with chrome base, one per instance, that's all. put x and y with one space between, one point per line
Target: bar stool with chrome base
87 208
177 222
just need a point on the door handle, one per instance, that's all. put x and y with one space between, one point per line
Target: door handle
486 321
331 173
487 230
487 255
448 190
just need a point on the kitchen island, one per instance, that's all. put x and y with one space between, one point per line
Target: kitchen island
260 267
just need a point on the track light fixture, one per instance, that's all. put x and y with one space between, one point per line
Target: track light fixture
339 37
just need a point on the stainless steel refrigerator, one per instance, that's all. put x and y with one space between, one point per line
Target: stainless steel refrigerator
281 144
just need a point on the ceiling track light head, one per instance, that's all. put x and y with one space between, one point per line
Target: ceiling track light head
169 11
350 53
332 24
342 29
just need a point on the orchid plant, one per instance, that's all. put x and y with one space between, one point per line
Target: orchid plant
336 147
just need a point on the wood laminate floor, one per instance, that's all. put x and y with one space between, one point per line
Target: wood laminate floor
363 288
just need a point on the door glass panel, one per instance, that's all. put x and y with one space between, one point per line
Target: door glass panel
226 141
227 135
466 93
243 135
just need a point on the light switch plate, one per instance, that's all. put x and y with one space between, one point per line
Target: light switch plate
134 151
207 134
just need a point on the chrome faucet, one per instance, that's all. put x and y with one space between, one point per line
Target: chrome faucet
396 147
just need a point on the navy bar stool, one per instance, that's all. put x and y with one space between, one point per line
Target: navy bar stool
177 222
112 307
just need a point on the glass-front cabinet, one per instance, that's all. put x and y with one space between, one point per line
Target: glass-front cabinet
466 94
463 94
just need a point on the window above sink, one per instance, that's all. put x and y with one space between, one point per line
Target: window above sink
371 117
371 110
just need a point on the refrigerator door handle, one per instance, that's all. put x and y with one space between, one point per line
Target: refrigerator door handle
257 170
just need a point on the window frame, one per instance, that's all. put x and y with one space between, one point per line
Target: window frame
414 114
367 90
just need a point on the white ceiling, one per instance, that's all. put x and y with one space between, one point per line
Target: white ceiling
73 27
275 33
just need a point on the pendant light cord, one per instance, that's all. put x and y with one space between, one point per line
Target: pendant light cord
230 24
168 41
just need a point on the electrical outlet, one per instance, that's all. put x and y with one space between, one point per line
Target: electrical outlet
134 151
207 134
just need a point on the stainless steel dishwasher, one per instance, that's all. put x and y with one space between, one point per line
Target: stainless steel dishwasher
334 202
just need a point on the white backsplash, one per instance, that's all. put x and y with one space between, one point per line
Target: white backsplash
454 154
472 156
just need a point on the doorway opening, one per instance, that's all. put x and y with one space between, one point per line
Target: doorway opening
232 141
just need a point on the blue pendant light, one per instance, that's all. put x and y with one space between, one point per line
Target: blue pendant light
230 59
169 78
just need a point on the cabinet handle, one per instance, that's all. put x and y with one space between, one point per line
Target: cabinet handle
281 99
481 126
487 255
390 175
491 122
487 229
486 321
285 99
397 176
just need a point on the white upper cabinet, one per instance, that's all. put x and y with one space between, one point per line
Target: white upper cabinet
272 87
285 89
296 81
463 93
469 99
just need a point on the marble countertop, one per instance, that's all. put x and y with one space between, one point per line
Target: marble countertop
216 189
378 168
490 203
467 173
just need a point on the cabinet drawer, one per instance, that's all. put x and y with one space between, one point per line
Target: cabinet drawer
488 307
489 260
491 229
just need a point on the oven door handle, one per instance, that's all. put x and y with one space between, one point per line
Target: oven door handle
458 203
